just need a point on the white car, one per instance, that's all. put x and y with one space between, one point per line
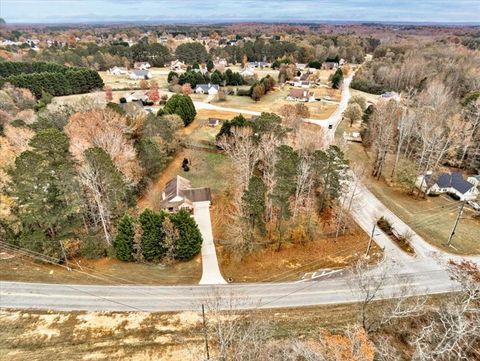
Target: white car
474 205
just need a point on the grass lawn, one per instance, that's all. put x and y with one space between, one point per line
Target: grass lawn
15 267
123 82
432 218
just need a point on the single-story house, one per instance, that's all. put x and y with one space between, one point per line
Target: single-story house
116 70
207 89
179 194
213 122
301 95
139 95
141 65
247 72
140 74
300 66
257 64
453 183
221 62
391 96
177 65
329 65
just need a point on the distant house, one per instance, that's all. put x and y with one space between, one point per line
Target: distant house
301 95
207 89
213 122
391 96
247 72
341 62
221 62
452 183
139 95
300 66
257 64
140 74
177 65
116 70
141 65
179 194
330 65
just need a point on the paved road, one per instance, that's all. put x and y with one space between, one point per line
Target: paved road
423 274
211 274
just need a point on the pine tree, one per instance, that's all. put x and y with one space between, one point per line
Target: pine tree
254 204
45 187
190 239
152 239
123 243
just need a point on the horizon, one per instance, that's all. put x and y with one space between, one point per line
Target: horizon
72 12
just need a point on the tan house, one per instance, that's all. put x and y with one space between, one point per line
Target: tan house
179 194
301 95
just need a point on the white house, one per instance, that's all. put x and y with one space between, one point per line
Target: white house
139 95
177 65
452 183
116 70
247 72
140 74
142 65
179 194
475 180
207 89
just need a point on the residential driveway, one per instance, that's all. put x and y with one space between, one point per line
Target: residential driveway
210 271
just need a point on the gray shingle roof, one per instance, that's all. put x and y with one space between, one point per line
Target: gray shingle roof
454 180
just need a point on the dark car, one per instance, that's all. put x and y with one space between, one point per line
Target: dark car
454 196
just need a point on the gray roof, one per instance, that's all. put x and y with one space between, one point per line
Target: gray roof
454 180
140 72
206 87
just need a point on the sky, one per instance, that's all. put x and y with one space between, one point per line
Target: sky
220 11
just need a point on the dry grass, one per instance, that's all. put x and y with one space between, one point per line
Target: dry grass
15 267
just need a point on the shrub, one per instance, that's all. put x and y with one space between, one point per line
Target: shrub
123 243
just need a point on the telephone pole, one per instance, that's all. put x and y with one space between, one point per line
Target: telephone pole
371 238
459 214
205 332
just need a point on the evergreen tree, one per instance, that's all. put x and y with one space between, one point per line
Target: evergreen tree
123 243
152 235
254 204
45 187
210 65
190 239
181 105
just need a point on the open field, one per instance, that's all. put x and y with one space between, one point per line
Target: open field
15 267
123 82
432 217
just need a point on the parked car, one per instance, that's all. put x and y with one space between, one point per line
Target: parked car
474 205
454 196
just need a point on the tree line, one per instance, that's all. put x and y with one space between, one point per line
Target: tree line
54 79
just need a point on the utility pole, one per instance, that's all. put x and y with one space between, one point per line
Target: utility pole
371 238
459 214
205 332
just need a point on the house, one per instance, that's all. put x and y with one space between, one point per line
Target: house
475 180
179 194
341 62
116 70
391 96
139 95
257 64
452 183
300 66
141 65
177 65
140 74
213 122
301 95
221 62
247 72
207 89
329 65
